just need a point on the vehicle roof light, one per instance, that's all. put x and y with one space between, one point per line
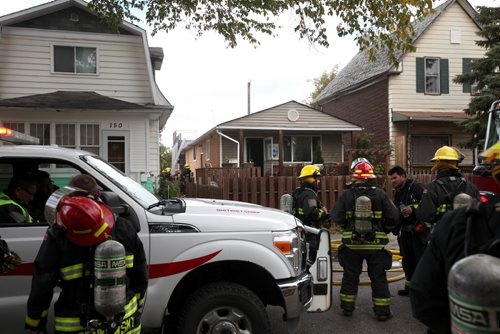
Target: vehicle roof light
5 131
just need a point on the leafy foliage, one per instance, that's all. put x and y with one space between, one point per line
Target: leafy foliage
323 80
485 73
165 157
375 24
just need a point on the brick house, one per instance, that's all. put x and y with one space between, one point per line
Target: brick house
414 107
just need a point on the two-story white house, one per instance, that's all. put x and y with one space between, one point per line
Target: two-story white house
415 107
70 80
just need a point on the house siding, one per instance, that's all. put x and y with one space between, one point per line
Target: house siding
435 42
366 108
26 65
141 158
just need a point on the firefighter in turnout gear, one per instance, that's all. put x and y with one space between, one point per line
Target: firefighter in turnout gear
366 215
308 207
69 258
437 198
462 232
411 238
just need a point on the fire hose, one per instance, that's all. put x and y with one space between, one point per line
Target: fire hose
395 257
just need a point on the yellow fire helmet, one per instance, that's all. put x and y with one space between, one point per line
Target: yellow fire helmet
309 170
492 154
448 153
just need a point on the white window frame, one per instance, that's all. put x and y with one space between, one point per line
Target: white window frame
52 56
64 140
438 75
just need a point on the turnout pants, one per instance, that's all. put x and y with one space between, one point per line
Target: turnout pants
378 262
411 246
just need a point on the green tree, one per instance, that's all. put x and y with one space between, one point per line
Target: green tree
166 188
374 24
323 80
485 74
165 157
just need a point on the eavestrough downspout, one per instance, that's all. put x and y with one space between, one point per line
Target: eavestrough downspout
237 147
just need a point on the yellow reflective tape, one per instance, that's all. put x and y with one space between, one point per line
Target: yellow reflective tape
100 230
129 261
130 308
87 231
135 330
64 324
73 267
31 322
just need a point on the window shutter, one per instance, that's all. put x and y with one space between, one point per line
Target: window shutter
420 75
466 69
444 76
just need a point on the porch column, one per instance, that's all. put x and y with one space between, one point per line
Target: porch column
280 150
242 148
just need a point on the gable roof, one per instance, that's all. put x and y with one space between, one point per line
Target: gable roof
48 8
360 71
290 115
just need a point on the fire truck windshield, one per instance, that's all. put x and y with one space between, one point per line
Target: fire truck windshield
493 129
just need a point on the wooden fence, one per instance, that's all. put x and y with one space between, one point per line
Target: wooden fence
267 190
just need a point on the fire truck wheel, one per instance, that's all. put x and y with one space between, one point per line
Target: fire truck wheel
223 307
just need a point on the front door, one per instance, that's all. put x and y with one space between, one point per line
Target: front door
116 148
255 152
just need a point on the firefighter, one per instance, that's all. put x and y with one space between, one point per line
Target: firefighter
438 196
308 207
14 203
462 232
167 174
187 174
411 239
366 215
66 258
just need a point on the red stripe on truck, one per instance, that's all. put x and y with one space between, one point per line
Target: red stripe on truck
172 268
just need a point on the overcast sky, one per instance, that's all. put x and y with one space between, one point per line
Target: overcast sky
207 82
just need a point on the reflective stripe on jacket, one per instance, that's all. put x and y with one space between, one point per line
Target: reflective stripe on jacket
6 200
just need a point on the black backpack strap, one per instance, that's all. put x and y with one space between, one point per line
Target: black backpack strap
472 209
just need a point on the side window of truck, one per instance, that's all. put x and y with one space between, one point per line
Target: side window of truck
49 176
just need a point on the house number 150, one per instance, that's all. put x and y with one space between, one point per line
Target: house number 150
116 125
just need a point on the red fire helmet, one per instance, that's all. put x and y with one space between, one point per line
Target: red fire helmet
87 223
363 170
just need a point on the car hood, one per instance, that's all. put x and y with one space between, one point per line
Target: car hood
222 215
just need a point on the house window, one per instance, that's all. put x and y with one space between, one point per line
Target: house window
89 138
75 59
42 132
194 152
432 75
65 135
19 127
207 149
299 148
424 146
467 68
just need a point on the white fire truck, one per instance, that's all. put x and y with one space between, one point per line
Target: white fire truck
218 263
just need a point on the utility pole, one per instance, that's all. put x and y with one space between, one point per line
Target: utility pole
248 95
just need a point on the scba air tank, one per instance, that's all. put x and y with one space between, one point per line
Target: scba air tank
363 215
473 289
110 278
